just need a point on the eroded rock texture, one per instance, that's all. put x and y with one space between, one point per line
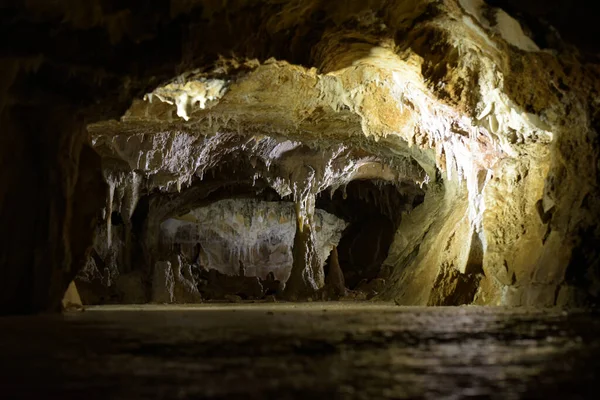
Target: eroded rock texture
454 103
254 236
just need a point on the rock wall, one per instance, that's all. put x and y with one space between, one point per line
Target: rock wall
482 121
498 121
253 235
47 219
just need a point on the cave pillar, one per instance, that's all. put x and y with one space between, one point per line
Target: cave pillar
307 275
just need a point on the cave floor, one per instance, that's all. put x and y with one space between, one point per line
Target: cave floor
307 350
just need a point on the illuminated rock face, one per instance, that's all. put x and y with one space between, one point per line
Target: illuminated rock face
455 107
256 236
452 98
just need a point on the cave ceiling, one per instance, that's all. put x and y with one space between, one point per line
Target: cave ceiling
379 86
490 109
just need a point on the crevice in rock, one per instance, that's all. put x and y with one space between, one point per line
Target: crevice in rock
374 211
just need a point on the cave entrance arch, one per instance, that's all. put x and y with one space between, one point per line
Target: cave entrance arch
373 210
194 240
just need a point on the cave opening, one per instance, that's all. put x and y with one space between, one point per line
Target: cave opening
241 247
299 199
373 210
232 234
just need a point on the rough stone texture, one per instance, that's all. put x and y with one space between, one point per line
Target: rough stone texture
71 301
163 283
214 285
307 275
185 289
365 248
430 238
481 120
334 282
371 288
131 288
497 120
256 233
47 217
174 283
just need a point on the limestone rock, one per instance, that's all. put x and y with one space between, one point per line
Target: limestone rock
214 285
372 287
334 282
163 283
257 233
455 97
71 300
131 288
174 283
185 286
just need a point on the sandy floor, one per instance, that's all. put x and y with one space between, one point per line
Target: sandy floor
310 350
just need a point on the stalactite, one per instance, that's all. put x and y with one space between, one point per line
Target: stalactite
259 233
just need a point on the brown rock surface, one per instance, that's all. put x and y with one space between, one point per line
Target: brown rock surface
71 301
334 281
293 101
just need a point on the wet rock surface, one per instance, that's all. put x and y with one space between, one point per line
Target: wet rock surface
257 234
316 350
215 285
117 117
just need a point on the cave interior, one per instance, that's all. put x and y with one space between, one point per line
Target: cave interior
426 151
376 159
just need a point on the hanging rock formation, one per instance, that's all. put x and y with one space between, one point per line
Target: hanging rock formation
259 235
496 123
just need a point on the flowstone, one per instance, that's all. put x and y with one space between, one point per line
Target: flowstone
257 235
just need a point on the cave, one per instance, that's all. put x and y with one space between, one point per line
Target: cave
402 195
373 210
231 231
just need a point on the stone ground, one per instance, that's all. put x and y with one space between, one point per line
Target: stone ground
309 350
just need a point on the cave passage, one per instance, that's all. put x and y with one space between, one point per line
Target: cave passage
243 247
305 199
373 210
232 237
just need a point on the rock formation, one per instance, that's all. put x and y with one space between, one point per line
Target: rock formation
257 234
485 126
335 284
71 301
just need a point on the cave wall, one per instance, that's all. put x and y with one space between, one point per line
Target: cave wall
258 234
48 220
457 87
431 253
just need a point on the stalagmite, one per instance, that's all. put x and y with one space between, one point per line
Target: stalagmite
71 300
163 283
307 275
458 114
334 281
108 213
